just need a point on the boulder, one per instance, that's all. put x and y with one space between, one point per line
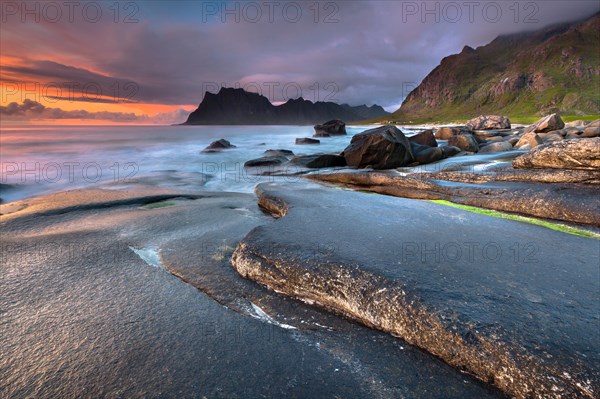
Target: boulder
426 137
265 161
481 140
581 153
564 132
487 122
496 147
595 123
547 124
488 134
450 151
561 132
568 130
218 145
334 127
525 147
319 161
550 137
531 139
424 154
444 133
465 142
307 140
578 123
591 131
384 147
279 153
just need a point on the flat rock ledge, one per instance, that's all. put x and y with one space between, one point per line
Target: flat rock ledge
529 329
507 192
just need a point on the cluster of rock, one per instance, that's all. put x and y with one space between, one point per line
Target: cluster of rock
491 133
561 168
386 147
334 127
550 140
274 158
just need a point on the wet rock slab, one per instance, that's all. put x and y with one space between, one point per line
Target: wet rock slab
515 304
91 307
568 197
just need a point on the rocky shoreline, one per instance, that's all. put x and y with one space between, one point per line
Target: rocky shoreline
510 308
134 291
499 320
547 170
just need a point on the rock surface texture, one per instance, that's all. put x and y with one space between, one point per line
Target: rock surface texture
564 154
527 324
384 147
486 122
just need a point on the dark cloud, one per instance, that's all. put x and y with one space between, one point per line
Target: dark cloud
376 52
62 82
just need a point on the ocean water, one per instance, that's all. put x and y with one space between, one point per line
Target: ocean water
37 160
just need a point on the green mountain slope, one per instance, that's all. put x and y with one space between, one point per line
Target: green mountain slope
556 69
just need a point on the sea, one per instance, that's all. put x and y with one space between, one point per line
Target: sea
42 159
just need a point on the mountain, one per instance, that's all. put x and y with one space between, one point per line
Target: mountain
239 107
555 69
366 112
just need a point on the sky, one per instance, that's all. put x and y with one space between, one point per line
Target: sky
150 62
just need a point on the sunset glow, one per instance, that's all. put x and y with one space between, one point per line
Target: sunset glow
149 62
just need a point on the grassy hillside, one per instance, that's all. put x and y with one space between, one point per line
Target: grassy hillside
523 76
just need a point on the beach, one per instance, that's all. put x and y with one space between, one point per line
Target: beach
183 280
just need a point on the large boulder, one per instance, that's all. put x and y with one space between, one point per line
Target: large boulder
450 151
218 145
489 134
550 137
591 131
425 137
574 135
444 133
307 140
277 153
577 123
319 161
488 122
384 147
500 146
531 139
565 131
465 142
595 123
334 127
565 154
424 154
547 124
265 161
